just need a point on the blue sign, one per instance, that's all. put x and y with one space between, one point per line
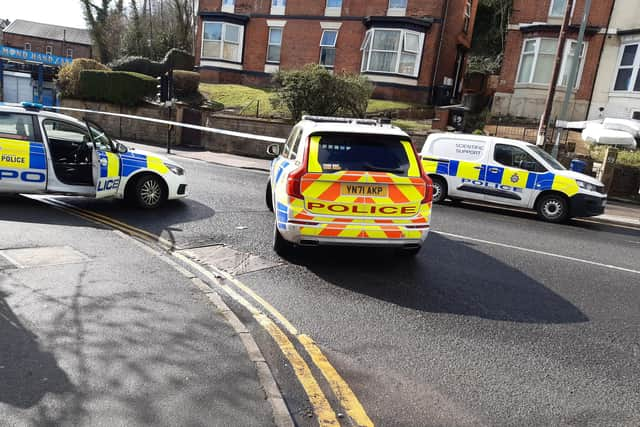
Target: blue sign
27 55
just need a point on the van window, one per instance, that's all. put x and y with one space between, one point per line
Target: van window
515 157
363 153
459 149
17 126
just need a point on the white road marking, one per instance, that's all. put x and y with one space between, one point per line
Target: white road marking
537 252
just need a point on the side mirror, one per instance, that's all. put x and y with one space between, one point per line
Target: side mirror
273 150
122 149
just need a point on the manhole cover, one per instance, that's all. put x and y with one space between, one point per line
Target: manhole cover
229 260
37 257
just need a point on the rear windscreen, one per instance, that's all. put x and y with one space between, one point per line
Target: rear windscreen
362 152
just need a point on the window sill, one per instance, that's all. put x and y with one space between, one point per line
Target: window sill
624 94
226 8
278 10
390 78
541 86
396 11
333 11
271 68
219 63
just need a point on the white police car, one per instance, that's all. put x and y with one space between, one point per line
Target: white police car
43 152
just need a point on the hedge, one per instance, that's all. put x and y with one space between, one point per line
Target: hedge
116 87
185 83
178 59
69 75
138 64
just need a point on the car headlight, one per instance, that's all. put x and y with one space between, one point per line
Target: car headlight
587 186
175 169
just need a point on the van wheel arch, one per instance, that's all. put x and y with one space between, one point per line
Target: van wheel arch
441 188
548 195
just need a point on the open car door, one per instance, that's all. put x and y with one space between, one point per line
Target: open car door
106 163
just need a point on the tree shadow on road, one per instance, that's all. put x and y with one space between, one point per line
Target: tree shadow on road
27 373
448 276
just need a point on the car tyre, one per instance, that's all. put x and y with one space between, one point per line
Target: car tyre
439 189
268 197
149 192
553 208
281 246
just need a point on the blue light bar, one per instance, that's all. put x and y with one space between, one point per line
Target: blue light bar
32 106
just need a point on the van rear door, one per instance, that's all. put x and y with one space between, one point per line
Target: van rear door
352 175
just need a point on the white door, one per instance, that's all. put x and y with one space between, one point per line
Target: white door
17 87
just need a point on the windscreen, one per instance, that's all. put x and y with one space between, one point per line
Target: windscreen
363 153
547 158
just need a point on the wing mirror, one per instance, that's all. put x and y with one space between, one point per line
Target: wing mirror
122 149
273 150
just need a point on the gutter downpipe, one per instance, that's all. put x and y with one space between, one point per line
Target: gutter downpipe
445 14
593 86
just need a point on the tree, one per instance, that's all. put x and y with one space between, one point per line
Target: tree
106 24
489 35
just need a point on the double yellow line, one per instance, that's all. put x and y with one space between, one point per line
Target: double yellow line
325 414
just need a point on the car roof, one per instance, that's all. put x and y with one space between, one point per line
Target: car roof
20 109
478 138
336 127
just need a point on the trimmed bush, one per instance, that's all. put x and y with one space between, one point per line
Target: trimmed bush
185 83
314 90
69 75
178 59
116 87
138 64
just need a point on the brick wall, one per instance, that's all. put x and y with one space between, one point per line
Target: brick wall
40 45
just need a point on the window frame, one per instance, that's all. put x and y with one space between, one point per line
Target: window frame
222 42
563 67
228 6
324 47
397 11
561 15
468 7
368 43
635 69
29 119
69 52
27 47
48 50
269 44
278 7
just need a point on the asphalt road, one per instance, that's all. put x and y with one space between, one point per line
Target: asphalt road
501 319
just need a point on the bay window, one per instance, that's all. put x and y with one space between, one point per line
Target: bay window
628 75
393 51
222 41
538 58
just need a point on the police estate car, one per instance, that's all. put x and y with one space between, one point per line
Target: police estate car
348 182
45 152
509 172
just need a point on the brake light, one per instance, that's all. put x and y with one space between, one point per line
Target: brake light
294 181
428 191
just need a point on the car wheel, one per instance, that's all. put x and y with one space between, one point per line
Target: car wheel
268 197
281 246
553 208
439 189
150 192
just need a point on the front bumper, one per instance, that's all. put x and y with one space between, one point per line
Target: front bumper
177 186
584 205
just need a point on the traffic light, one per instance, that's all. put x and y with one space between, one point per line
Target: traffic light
163 88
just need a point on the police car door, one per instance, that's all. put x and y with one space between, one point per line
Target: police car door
287 162
512 174
23 161
106 163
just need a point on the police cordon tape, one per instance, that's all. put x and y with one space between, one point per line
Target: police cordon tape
172 123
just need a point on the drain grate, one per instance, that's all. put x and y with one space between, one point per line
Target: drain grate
43 256
229 260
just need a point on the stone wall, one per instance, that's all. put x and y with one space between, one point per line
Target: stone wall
126 129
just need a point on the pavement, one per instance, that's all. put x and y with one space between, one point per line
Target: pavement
616 212
94 330
501 319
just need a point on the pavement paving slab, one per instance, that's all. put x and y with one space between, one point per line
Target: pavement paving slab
96 331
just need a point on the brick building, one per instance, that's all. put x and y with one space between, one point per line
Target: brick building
30 56
405 47
530 51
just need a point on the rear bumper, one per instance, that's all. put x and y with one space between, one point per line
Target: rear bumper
353 235
584 205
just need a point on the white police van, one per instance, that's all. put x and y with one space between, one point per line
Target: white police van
509 172
49 153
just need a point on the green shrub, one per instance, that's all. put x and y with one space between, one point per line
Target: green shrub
625 157
69 75
178 59
138 64
185 83
116 87
314 90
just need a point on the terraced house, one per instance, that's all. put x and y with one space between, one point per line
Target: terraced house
405 47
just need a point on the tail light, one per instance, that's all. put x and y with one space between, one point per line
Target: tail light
294 181
428 191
